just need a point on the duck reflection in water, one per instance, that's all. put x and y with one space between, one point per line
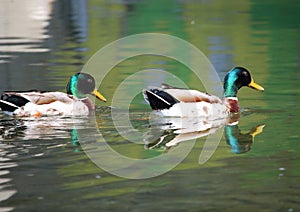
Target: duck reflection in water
44 128
176 130
239 142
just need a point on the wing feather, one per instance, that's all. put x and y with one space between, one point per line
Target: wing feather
40 98
186 95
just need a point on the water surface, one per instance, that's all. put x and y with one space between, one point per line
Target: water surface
44 167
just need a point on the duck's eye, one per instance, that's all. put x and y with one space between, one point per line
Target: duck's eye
89 80
244 73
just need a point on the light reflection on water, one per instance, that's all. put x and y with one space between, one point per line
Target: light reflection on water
28 36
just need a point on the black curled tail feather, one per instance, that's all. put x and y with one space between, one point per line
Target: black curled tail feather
159 99
17 100
11 102
7 106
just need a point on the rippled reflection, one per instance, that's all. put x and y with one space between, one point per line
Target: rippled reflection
32 138
39 128
42 43
6 163
176 130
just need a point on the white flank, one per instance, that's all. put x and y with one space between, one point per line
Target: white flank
199 109
52 109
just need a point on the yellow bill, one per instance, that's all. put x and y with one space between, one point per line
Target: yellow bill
98 95
256 86
257 130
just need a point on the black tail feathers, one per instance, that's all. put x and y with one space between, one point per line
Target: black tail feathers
159 99
7 106
11 102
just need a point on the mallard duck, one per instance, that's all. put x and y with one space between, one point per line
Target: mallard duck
45 103
172 101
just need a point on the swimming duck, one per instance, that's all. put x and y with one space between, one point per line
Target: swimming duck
181 102
44 103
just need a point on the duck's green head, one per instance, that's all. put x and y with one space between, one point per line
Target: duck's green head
237 78
82 84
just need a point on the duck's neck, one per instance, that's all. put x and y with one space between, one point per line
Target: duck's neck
72 88
230 93
230 99
231 85
230 89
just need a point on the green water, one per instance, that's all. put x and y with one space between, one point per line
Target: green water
44 168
